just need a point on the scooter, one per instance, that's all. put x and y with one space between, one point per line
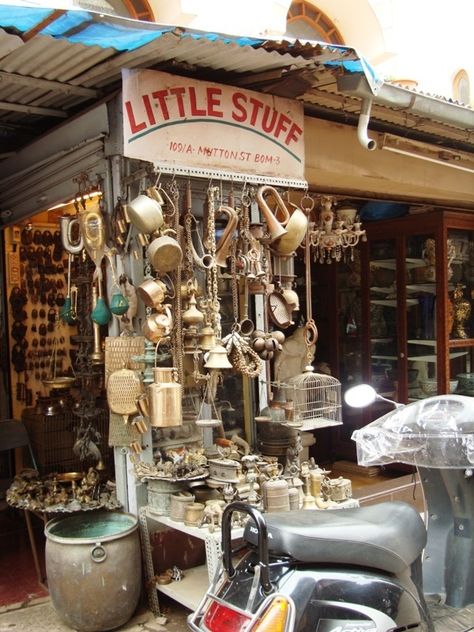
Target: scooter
361 569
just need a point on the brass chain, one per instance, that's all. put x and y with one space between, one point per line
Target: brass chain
212 280
234 281
178 328
188 220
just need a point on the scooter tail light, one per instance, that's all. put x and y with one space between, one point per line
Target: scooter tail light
221 618
274 617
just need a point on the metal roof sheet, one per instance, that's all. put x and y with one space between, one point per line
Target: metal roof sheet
49 58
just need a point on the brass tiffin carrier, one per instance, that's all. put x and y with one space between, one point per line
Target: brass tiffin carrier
165 397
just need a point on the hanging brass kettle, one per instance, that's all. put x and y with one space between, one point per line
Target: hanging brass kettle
296 228
275 227
224 243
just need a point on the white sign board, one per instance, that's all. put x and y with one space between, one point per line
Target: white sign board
176 121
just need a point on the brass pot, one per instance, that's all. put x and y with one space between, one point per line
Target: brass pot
152 292
164 252
145 214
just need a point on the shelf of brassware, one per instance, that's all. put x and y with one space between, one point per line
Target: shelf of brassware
191 589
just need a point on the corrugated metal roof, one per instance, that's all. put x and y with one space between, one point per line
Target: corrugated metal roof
49 58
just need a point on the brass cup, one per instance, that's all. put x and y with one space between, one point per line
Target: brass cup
193 514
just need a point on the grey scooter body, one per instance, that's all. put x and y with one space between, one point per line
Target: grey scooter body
353 570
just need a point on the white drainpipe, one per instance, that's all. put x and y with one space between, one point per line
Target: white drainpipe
364 118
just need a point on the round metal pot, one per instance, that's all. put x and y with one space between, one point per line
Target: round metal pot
93 567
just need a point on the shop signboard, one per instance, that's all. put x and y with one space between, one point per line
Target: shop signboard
176 121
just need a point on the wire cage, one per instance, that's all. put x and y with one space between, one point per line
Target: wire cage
310 400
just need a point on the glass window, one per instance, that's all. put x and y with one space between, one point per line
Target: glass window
306 21
462 87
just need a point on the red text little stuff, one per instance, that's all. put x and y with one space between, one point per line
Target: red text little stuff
186 102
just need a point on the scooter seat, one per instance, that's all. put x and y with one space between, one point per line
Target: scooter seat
387 536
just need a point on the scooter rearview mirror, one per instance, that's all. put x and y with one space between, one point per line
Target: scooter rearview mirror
360 396
363 395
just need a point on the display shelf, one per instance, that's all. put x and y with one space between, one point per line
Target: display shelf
422 341
429 288
433 358
406 291
392 302
390 289
198 532
190 590
391 264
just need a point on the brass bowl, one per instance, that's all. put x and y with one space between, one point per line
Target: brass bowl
68 477
59 382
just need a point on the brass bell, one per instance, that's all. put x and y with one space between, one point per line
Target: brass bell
217 358
207 338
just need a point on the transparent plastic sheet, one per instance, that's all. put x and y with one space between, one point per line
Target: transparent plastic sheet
434 432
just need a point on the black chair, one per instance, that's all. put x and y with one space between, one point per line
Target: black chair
13 434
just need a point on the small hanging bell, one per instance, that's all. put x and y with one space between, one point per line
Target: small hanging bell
192 316
217 358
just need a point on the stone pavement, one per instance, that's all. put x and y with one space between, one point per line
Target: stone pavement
40 616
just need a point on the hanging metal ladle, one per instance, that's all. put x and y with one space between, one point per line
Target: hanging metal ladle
55 381
68 313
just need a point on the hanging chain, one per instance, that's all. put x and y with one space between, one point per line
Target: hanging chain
178 328
311 331
213 291
188 220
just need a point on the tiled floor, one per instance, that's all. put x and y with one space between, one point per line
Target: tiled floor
18 580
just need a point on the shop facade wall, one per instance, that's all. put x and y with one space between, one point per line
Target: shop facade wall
337 163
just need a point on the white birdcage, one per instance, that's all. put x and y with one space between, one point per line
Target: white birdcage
310 400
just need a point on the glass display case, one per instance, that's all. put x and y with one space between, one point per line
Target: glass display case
420 285
405 322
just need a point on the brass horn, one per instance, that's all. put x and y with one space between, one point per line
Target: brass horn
206 261
276 227
224 243
66 225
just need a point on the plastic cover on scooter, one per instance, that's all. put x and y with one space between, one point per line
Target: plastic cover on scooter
434 432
